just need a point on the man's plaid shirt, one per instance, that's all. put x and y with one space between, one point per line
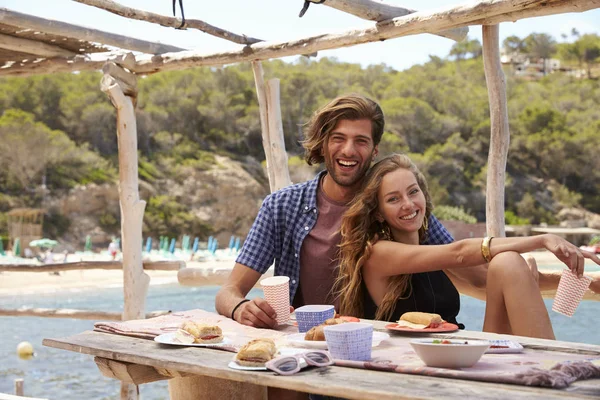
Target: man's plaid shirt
283 221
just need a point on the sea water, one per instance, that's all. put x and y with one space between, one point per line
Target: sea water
60 374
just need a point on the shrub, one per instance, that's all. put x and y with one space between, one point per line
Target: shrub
450 213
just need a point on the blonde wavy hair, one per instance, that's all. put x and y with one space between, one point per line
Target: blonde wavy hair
361 230
352 107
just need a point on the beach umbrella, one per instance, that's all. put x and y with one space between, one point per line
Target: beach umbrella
17 247
45 242
231 241
148 244
237 244
2 253
172 246
88 243
195 246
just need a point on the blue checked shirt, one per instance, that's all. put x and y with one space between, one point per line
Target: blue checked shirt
283 221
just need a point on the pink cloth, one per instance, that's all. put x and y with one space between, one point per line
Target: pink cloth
531 368
150 328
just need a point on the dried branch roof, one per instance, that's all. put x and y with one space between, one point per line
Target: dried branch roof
72 45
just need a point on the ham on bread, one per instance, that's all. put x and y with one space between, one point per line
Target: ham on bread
256 353
420 320
199 332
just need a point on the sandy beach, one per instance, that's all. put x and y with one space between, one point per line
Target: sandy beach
14 283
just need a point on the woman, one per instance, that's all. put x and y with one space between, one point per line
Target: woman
384 272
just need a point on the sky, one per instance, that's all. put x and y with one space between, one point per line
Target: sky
277 20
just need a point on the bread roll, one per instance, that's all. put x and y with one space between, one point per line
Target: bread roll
316 332
203 333
420 320
256 353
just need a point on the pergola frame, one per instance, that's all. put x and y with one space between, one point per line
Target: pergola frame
390 22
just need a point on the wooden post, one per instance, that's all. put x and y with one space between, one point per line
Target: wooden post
261 94
135 281
19 387
272 129
276 139
500 134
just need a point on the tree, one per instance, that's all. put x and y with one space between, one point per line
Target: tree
460 49
513 45
541 46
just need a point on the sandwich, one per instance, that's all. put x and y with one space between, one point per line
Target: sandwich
194 332
256 353
420 320
316 332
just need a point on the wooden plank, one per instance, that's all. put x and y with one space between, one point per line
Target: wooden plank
132 13
131 373
379 11
500 134
78 32
19 389
33 47
420 22
333 381
83 265
71 313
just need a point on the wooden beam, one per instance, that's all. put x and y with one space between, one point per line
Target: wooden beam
500 134
378 11
170 22
83 265
71 313
59 28
134 373
36 48
420 22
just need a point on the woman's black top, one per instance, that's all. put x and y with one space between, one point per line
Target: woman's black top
432 292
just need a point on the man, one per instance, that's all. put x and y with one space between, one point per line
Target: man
297 226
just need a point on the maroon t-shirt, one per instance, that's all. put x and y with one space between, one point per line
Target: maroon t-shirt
319 253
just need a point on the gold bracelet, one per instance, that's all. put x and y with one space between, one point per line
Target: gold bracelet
485 248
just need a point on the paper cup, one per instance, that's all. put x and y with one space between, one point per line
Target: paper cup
350 341
570 292
313 315
277 294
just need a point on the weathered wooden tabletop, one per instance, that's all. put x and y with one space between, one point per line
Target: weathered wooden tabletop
147 361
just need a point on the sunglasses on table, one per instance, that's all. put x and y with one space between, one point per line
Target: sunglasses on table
289 365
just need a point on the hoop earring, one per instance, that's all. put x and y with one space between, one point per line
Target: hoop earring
386 233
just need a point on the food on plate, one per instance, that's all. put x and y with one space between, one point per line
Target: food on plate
316 332
256 353
445 341
420 320
347 318
199 332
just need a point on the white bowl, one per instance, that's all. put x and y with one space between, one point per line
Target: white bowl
460 353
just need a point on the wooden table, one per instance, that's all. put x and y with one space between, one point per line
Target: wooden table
195 369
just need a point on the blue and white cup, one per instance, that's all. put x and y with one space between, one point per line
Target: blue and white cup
350 341
313 315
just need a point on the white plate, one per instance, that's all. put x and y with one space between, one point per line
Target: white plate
168 338
297 339
512 347
286 351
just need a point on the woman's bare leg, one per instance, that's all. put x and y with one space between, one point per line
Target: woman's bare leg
514 304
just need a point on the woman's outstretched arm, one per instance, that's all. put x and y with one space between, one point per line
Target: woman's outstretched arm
392 258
